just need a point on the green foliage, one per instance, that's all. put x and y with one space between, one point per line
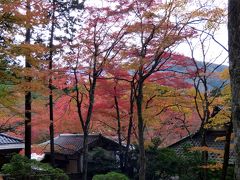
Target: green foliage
110 176
165 163
189 164
216 175
21 166
161 163
101 161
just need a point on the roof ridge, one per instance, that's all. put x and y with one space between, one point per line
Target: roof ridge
184 138
70 134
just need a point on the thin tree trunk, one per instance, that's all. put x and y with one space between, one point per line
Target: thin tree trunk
86 127
85 154
28 97
234 67
226 151
204 154
142 158
119 131
51 126
206 120
85 124
131 103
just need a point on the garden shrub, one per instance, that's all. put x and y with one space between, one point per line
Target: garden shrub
21 166
110 176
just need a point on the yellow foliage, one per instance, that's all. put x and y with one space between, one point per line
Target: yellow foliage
225 74
213 167
208 149
222 138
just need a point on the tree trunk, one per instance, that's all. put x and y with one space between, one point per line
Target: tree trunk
119 131
86 126
51 125
234 67
28 97
142 158
126 158
131 103
28 124
226 151
85 154
204 154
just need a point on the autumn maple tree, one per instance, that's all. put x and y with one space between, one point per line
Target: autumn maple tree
96 45
205 92
223 120
154 34
112 113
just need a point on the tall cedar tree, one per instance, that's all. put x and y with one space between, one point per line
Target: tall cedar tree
32 52
50 86
26 20
22 25
234 68
28 96
63 9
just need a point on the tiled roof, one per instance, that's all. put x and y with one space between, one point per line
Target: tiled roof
69 144
195 140
6 139
9 142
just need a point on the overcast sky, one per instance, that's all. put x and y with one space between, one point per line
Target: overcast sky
215 52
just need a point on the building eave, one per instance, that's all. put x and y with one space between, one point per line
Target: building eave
11 146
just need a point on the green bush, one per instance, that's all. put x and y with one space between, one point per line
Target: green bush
110 176
189 164
101 161
21 166
165 162
161 163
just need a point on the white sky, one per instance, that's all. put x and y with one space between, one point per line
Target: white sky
215 50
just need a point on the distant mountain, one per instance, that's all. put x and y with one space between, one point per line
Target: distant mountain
213 82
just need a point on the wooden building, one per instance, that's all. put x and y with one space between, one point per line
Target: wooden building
8 146
211 140
69 148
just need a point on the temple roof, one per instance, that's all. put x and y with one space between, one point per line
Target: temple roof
69 144
10 142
